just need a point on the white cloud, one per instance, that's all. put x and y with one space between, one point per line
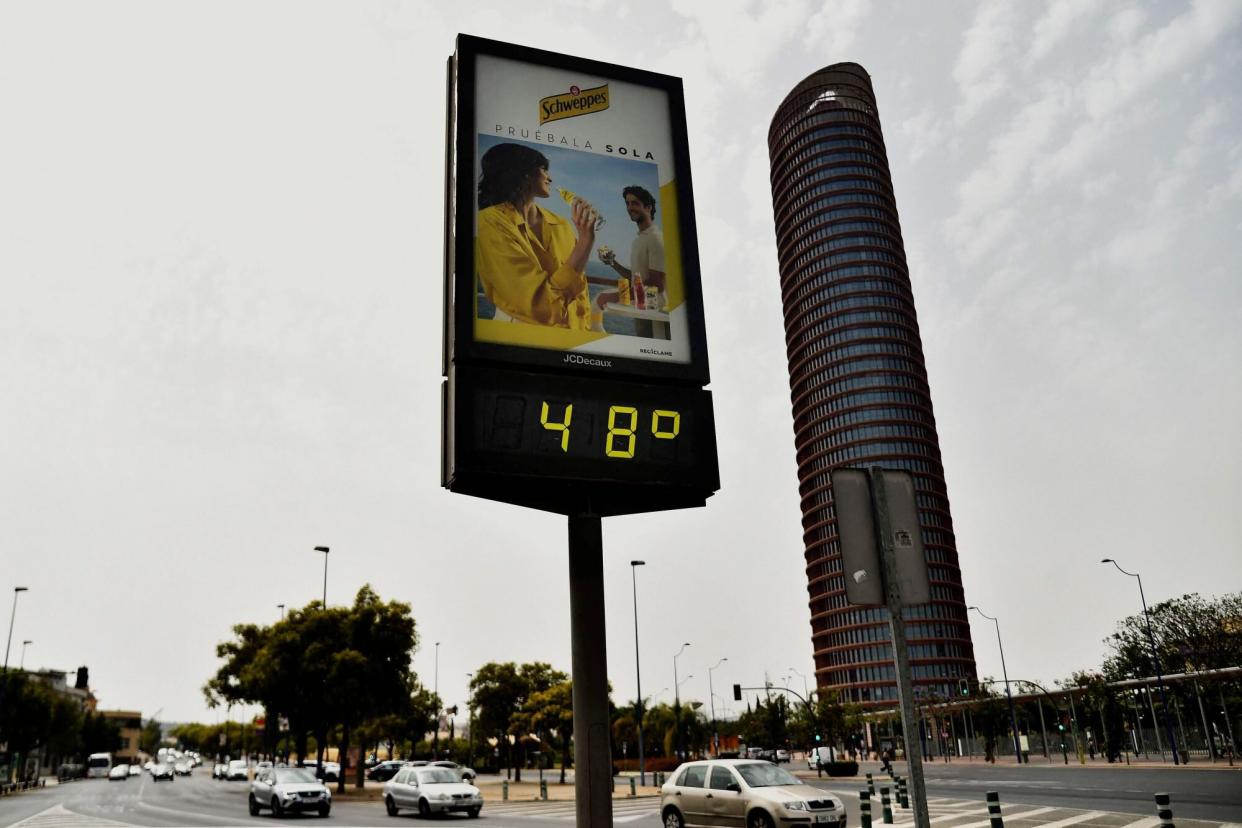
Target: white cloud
979 69
833 29
1061 17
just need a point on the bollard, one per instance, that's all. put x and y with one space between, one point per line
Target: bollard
887 805
613 782
504 790
543 789
994 812
864 808
903 794
870 785
1164 810
633 788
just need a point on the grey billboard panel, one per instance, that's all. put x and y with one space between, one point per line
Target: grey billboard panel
860 554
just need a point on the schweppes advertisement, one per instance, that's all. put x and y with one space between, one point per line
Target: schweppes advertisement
574 102
576 233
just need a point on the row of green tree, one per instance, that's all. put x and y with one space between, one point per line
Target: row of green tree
36 718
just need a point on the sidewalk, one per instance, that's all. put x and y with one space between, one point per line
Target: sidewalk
525 791
799 767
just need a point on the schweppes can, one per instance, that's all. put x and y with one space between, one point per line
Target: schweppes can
573 103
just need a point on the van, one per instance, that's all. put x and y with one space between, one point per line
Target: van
821 756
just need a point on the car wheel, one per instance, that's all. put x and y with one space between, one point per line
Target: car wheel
758 819
390 805
424 810
324 809
254 806
277 810
473 813
672 819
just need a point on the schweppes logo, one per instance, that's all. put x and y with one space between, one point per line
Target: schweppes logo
573 103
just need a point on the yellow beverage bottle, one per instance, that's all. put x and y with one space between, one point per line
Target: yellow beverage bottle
623 290
570 196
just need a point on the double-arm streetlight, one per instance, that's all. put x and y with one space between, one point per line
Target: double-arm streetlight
711 696
324 550
677 698
1013 716
638 674
1155 658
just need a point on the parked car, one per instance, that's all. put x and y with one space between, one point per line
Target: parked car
147 765
385 770
162 770
431 790
467 774
219 770
182 767
238 769
135 769
289 790
782 755
747 792
120 772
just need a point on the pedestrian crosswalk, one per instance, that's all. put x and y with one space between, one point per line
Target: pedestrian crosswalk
623 810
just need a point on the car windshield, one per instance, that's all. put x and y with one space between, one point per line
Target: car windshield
763 775
285 776
435 776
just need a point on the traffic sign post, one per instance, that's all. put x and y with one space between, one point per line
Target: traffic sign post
876 512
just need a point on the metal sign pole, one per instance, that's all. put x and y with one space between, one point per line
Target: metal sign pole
592 750
905 690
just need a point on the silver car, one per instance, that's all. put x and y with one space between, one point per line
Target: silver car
431 790
289 790
745 793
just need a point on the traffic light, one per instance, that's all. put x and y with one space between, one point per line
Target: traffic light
964 686
818 737
737 692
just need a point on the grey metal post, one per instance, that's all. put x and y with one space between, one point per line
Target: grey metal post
1207 734
897 626
638 673
1074 728
1151 705
1043 729
592 752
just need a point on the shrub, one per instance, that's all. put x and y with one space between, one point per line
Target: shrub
650 763
841 768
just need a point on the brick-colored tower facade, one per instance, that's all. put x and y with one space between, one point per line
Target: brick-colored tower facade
857 380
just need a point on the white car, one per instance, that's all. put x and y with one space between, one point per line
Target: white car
782 755
238 769
757 794
289 790
431 790
120 772
467 774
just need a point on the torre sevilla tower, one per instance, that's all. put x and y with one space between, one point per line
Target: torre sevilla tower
858 382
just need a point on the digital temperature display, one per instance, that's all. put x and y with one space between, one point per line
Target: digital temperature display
579 430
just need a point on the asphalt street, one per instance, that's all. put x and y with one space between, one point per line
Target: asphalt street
1031 796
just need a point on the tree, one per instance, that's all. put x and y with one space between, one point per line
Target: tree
553 710
499 691
1190 634
149 738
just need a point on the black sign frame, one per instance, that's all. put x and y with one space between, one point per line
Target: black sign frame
461 349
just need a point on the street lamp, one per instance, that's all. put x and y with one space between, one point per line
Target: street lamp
281 607
638 673
435 689
677 698
805 691
1013 716
12 618
1155 659
711 697
324 550
22 665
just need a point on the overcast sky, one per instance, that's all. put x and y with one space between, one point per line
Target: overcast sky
220 253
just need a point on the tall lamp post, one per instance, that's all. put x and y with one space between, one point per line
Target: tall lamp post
281 607
435 689
324 550
1013 716
12 617
677 700
711 696
1155 659
638 674
22 664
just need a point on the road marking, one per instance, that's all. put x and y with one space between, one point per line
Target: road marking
1074 820
986 823
1145 822
58 816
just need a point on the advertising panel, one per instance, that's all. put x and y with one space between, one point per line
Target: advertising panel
575 205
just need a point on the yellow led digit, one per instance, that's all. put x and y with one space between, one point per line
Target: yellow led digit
615 431
675 416
563 428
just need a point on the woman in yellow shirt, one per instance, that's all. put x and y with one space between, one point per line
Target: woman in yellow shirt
530 261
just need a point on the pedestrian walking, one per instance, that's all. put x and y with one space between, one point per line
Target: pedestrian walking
1091 748
886 760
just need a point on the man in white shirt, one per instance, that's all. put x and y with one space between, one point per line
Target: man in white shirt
646 252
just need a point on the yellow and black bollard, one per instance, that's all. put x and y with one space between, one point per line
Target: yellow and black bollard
994 812
887 805
864 808
1164 810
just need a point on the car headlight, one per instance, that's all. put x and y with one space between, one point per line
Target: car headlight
442 797
795 806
